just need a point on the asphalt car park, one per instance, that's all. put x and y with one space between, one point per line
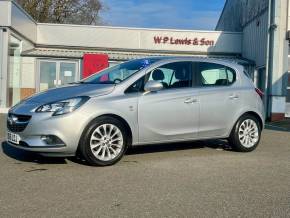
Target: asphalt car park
194 179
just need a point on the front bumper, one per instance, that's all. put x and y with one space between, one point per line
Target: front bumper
47 151
68 128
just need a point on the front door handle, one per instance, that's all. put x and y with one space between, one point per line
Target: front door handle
190 100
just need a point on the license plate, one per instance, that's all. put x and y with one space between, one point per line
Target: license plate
12 137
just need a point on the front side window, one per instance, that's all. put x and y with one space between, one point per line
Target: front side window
173 75
211 74
120 72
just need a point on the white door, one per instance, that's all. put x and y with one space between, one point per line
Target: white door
54 73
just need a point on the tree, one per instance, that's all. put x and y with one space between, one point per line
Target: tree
64 11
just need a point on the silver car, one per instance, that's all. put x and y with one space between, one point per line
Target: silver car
144 101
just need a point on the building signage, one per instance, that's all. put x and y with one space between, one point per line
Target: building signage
183 41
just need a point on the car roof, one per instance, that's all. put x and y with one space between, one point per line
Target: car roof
224 61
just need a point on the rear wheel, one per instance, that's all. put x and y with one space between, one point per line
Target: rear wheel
104 142
246 134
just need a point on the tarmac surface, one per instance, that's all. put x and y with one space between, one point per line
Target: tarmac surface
195 179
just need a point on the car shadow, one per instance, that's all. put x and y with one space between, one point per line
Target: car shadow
27 156
213 144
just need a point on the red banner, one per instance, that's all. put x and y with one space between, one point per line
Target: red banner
93 63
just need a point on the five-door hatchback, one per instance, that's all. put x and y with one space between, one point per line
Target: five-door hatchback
144 101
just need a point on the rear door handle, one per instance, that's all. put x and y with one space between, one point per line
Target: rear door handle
233 96
190 100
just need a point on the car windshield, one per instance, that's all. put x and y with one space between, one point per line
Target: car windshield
119 73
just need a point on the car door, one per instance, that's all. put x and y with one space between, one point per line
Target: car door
219 99
173 112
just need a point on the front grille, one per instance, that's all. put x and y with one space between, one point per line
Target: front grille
17 123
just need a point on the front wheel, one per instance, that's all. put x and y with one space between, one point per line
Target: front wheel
103 142
246 134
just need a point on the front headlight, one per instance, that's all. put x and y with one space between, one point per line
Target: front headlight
63 107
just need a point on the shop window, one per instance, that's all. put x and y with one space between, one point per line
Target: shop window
47 75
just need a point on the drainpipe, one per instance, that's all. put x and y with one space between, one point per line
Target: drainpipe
269 60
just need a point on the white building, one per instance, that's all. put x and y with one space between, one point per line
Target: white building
264 25
36 56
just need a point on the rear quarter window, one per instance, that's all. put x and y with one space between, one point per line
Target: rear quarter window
211 74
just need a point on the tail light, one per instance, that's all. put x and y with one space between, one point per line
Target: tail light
260 93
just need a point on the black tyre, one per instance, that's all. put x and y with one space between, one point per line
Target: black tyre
246 134
103 142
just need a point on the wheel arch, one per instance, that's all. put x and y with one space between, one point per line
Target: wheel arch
252 113
117 117
126 124
257 116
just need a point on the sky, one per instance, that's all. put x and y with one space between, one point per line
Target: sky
171 14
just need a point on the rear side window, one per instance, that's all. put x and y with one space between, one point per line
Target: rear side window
211 74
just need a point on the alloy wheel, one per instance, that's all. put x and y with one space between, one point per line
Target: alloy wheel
106 142
248 133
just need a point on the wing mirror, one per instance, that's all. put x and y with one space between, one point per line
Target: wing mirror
153 86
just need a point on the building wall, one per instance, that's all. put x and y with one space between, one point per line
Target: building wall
3 65
28 75
138 39
250 18
278 57
238 13
287 114
264 24
23 23
230 19
288 21
5 8
1 62
255 40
